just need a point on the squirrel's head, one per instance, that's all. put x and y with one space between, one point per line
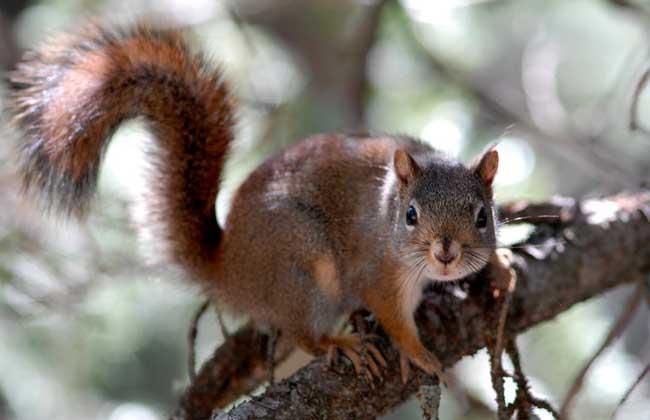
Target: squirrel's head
446 220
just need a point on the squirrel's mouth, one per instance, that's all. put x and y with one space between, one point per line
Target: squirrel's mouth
449 261
445 261
446 273
445 257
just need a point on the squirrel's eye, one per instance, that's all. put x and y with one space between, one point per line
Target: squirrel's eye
481 218
411 216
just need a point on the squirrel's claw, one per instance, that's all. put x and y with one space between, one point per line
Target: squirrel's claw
429 363
365 357
404 367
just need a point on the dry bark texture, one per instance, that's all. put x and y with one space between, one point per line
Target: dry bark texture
598 244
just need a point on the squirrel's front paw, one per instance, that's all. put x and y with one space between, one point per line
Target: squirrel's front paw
363 354
426 361
501 273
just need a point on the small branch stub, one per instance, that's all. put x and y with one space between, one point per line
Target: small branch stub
429 398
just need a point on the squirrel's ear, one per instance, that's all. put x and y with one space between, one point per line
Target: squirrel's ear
405 167
486 166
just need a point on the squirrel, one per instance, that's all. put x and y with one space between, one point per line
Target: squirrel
332 224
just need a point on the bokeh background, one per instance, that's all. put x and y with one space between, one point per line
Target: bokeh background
87 331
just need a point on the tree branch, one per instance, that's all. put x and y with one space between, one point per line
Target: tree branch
236 368
608 246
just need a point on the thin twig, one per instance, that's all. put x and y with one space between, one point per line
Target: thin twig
191 339
503 315
502 271
222 325
544 405
523 387
627 394
497 384
558 210
634 108
617 328
522 401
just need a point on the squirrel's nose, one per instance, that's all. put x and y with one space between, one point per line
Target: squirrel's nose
446 250
445 257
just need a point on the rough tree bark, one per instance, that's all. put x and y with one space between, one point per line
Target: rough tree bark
595 245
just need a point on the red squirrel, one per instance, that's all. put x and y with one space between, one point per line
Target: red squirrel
330 225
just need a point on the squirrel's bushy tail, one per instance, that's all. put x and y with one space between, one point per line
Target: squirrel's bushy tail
68 99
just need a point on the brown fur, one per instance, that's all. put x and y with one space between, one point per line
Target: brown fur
325 275
315 232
